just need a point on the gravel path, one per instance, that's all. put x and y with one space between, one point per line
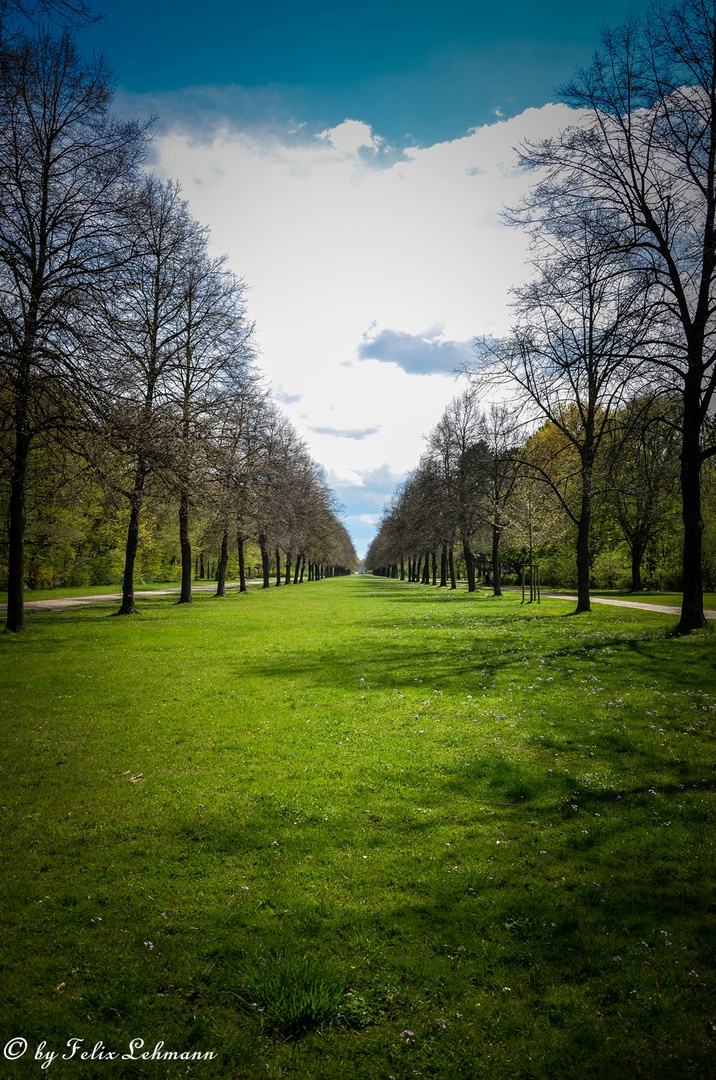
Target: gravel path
78 601
664 608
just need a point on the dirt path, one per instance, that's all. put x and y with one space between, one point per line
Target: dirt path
77 601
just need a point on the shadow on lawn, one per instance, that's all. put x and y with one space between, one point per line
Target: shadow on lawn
435 661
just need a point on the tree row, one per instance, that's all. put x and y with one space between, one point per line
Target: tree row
126 350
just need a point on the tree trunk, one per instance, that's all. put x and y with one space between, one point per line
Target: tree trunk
496 580
297 568
402 568
469 564
435 568
692 604
278 567
303 567
638 546
127 606
242 568
185 545
584 559
451 563
288 568
15 622
443 567
265 567
223 562
426 569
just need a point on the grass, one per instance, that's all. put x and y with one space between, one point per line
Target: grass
478 836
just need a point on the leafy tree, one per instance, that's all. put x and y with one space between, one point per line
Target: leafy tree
641 464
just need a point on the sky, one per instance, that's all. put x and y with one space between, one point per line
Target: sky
353 162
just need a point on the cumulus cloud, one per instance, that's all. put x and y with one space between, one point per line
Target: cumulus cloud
335 231
345 433
365 491
351 136
417 354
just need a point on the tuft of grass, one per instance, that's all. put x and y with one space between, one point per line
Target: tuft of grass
292 994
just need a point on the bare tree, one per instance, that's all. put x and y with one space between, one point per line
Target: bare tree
498 430
63 160
646 153
144 327
459 458
580 332
67 14
214 350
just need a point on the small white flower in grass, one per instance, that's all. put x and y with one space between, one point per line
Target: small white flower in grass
274 843
441 1023
149 944
543 852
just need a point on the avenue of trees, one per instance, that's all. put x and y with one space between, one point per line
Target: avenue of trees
492 498
612 353
132 414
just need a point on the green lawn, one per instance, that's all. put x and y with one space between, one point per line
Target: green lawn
488 828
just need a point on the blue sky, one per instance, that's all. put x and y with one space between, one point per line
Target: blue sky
409 68
352 161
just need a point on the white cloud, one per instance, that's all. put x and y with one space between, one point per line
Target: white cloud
334 239
351 136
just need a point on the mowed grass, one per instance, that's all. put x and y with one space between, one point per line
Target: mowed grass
490 826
